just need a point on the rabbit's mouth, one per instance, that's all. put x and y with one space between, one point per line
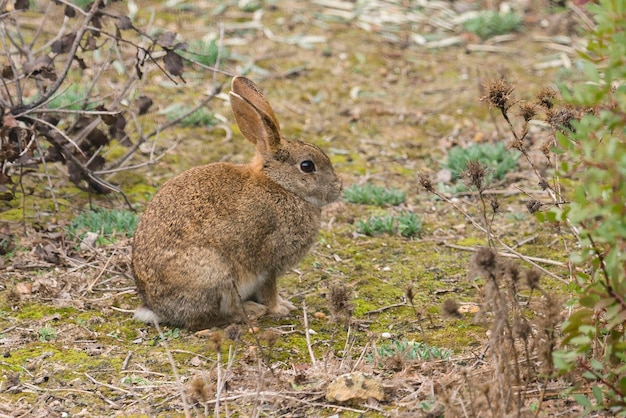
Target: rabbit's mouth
325 198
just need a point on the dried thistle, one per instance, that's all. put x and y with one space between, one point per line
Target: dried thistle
201 388
517 144
409 294
522 328
495 203
13 297
485 259
426 182
396 362
474 174
339 301
215 340
451 308
527 111
546 98
533 206
269 336
561 119
546 149
510 269
233 332
533 278
499 94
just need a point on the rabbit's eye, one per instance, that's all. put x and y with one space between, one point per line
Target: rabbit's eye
307 166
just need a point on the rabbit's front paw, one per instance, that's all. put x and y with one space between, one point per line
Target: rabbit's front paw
282 307
254 310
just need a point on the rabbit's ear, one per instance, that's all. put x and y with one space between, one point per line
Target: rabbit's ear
254 115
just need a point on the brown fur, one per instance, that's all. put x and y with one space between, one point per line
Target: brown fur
221 228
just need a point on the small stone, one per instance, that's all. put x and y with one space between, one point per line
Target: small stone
89 242
355 385
319 315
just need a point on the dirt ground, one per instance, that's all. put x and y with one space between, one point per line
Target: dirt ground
386 88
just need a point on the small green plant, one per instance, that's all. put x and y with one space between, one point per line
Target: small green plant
47 334
496 158
169 334
107 223
406 224
74 98
369 194
134 380
409 224
201 117
410 350
488 23
203 52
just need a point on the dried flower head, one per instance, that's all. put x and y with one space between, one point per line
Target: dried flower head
269 336
546 98
499 94
215 340
409 293
233 332
522 328
495 203
474 174
543 184
511 270
533 278
201 388
339 301
13 297
425 181
546 149
485 259
451 308
533 206
517 144
527 111
561 119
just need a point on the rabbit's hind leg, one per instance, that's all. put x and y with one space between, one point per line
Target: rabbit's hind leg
268 295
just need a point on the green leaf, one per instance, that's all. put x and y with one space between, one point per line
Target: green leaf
597 393
596 364
582 400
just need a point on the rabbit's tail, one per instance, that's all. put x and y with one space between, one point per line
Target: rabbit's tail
146 315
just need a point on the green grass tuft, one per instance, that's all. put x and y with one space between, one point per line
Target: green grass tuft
410 350
199 118
204 52
496 157
369 194
488 24
406 224
108 224
72 99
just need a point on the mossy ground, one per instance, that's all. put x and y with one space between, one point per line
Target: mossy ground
384 111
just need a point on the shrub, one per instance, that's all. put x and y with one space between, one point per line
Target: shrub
594 335
71 92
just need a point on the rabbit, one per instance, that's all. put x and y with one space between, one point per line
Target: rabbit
213 241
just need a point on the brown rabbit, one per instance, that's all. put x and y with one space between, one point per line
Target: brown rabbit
221 229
